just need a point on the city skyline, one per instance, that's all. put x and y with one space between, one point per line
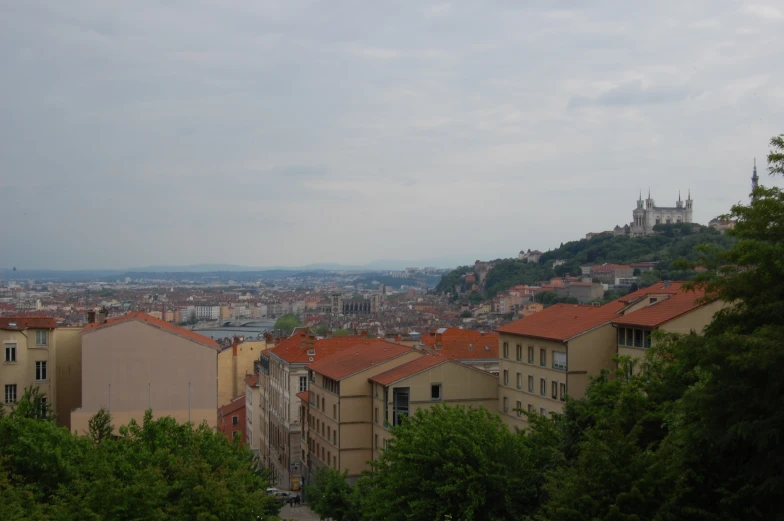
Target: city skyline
269 134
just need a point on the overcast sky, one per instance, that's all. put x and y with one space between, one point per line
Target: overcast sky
287 133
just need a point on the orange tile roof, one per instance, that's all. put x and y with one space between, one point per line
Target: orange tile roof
26 322
155 322
294 349
358 358
409 369
252 380
234 405
563 321
463 344
304 396
655 289
663 310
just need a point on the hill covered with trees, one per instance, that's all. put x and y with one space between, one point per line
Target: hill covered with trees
673 245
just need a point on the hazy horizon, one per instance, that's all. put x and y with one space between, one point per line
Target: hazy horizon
265 133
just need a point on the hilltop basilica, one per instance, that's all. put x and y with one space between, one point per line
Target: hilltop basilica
647 215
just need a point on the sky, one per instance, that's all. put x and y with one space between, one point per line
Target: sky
286 133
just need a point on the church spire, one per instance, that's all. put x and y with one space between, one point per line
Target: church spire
679 196
754 177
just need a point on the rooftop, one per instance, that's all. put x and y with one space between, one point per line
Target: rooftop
302 347
408 369
358 358
563 321
155 322
234 405
663 310
20 323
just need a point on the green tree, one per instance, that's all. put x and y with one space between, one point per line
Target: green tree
321 330
466 314
33 404
288 322
458 462
100 426
330 495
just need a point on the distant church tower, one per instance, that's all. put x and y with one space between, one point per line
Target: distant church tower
754 177
647 214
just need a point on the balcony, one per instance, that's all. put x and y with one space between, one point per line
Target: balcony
634 337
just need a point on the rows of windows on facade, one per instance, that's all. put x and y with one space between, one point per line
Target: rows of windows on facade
558 390
11 390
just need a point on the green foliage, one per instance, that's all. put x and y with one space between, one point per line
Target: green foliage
475 297
288 322
341 332
33 404
458 462
466 314
548 298
511 272
455 278
321 330
100 426
330 495
159 470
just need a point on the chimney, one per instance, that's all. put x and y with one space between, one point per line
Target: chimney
91 316
398 338
101 316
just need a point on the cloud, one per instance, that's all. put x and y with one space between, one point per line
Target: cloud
633 93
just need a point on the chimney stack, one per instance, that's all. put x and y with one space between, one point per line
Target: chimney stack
101 316
91 316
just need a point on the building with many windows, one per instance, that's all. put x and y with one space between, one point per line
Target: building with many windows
29 357
553 353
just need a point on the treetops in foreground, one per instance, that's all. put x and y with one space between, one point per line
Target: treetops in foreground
156 470
690 432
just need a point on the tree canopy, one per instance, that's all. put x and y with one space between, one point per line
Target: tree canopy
288 322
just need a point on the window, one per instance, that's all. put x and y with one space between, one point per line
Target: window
519 353
44 405
542 411
506 377
235 435
435 392
506 404
530 354
323 406
555 390
329 432
41 338
335 437
303 384
386 443
10 393
543 386
40 371
399 404
10 353
506 349
335 461
235 420
330 385
376 442
312 376
638 338
375 415
519 409
563 392
530 384
543 357
334 411
530 408
329 456
559 361
519 380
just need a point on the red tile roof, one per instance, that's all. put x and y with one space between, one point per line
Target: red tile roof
26 322
252 380
358 358
663 310
463 344
155 322
563 321
409 369
234 405
304 396
660 288
294 349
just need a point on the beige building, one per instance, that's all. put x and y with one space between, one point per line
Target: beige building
422 383
235 363
554 352
68 379
337 407
29 357
282 374
253 414
136 362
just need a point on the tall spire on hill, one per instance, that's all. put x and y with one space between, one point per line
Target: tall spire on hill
754 177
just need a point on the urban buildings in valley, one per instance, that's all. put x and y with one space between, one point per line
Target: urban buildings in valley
232 420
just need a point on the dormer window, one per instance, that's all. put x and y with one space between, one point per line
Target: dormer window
311 352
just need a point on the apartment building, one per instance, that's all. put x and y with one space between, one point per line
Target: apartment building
235 363
545 356
474 348
29 357
282 374
232 419
422 383
337 406
136 362
252 413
